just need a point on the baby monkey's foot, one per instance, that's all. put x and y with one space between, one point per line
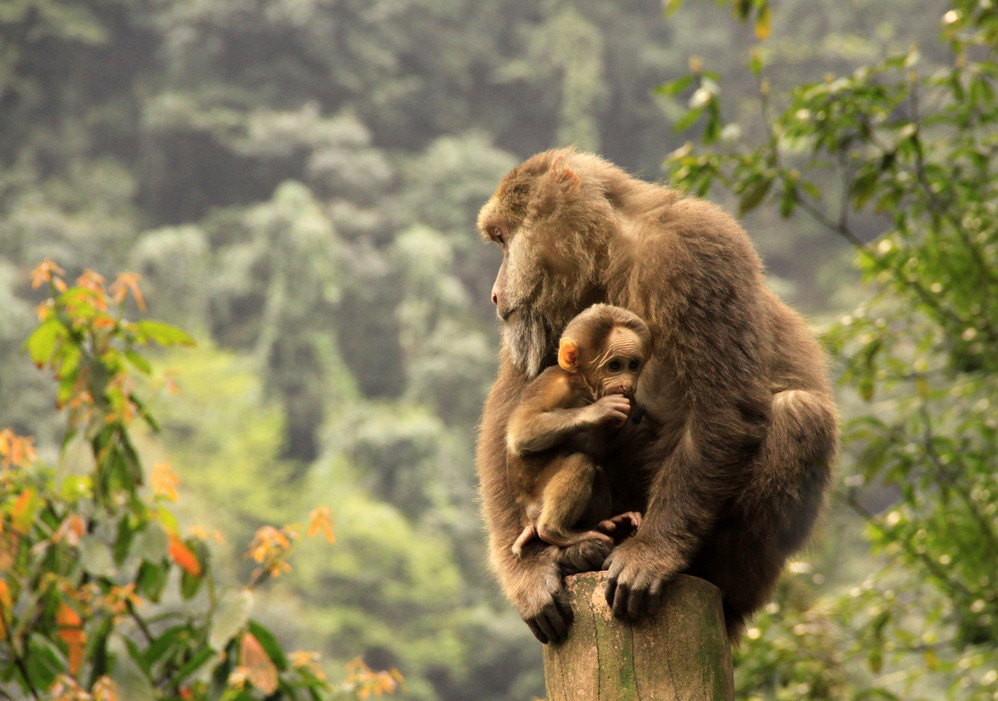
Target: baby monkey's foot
622 524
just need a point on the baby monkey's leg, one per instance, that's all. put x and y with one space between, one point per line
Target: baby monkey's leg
528 534
566 497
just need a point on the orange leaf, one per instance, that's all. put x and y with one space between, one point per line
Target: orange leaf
71 631
71 530
124 283
319 520
105 690
94 282
259 668
16 450
44 272
5 606
183 556
164 481
203 534
23 514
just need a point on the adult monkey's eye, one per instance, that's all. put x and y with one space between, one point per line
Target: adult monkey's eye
496 233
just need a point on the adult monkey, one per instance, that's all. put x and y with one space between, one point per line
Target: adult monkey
736 386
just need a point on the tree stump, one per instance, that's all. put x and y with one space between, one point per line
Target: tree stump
681 653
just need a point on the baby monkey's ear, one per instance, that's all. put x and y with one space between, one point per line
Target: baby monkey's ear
568 355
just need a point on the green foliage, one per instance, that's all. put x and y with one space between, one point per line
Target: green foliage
911 144
102 595
790 649
297 183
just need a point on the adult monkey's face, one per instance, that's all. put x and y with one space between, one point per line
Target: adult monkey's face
551 230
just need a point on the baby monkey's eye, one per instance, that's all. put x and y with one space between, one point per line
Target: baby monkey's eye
615 365
633 365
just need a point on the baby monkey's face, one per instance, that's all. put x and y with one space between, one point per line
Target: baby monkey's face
614 367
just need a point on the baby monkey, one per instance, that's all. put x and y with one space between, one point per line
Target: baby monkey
563 423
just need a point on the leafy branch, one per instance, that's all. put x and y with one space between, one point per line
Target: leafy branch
89 559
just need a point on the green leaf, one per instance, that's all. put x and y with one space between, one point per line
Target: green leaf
123 540
922 387
97 646
96 557
44 662
269 644
132 682
221 671
151 580
688 119
673 88
931 659
812 190
151 543
788 202
230 617
162 333
863 187
189 584
875 658
712 130
981 91
140 363
145 413
170 638
754 194
866 387
131 462
167 519
68 366
76 487
42 342
671 6
193 665
763 23
67 387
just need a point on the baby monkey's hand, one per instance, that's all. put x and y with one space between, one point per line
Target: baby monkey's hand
612 409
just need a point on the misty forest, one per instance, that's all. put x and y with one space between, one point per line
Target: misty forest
237 239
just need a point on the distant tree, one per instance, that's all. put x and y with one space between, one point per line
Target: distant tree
277 290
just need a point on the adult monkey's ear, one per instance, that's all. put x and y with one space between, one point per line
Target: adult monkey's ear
568 355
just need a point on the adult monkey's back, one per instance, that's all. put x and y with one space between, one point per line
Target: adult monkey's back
735 477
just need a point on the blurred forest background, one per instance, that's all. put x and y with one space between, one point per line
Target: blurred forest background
297 183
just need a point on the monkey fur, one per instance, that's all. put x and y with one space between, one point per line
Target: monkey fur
736 388
564 423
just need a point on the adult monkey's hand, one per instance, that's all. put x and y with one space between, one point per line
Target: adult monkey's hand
541 600
635 580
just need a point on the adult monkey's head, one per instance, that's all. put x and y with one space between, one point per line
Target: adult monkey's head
552 220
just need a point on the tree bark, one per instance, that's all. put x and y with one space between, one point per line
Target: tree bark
681 653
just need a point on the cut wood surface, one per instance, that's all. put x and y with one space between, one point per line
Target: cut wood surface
681 653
